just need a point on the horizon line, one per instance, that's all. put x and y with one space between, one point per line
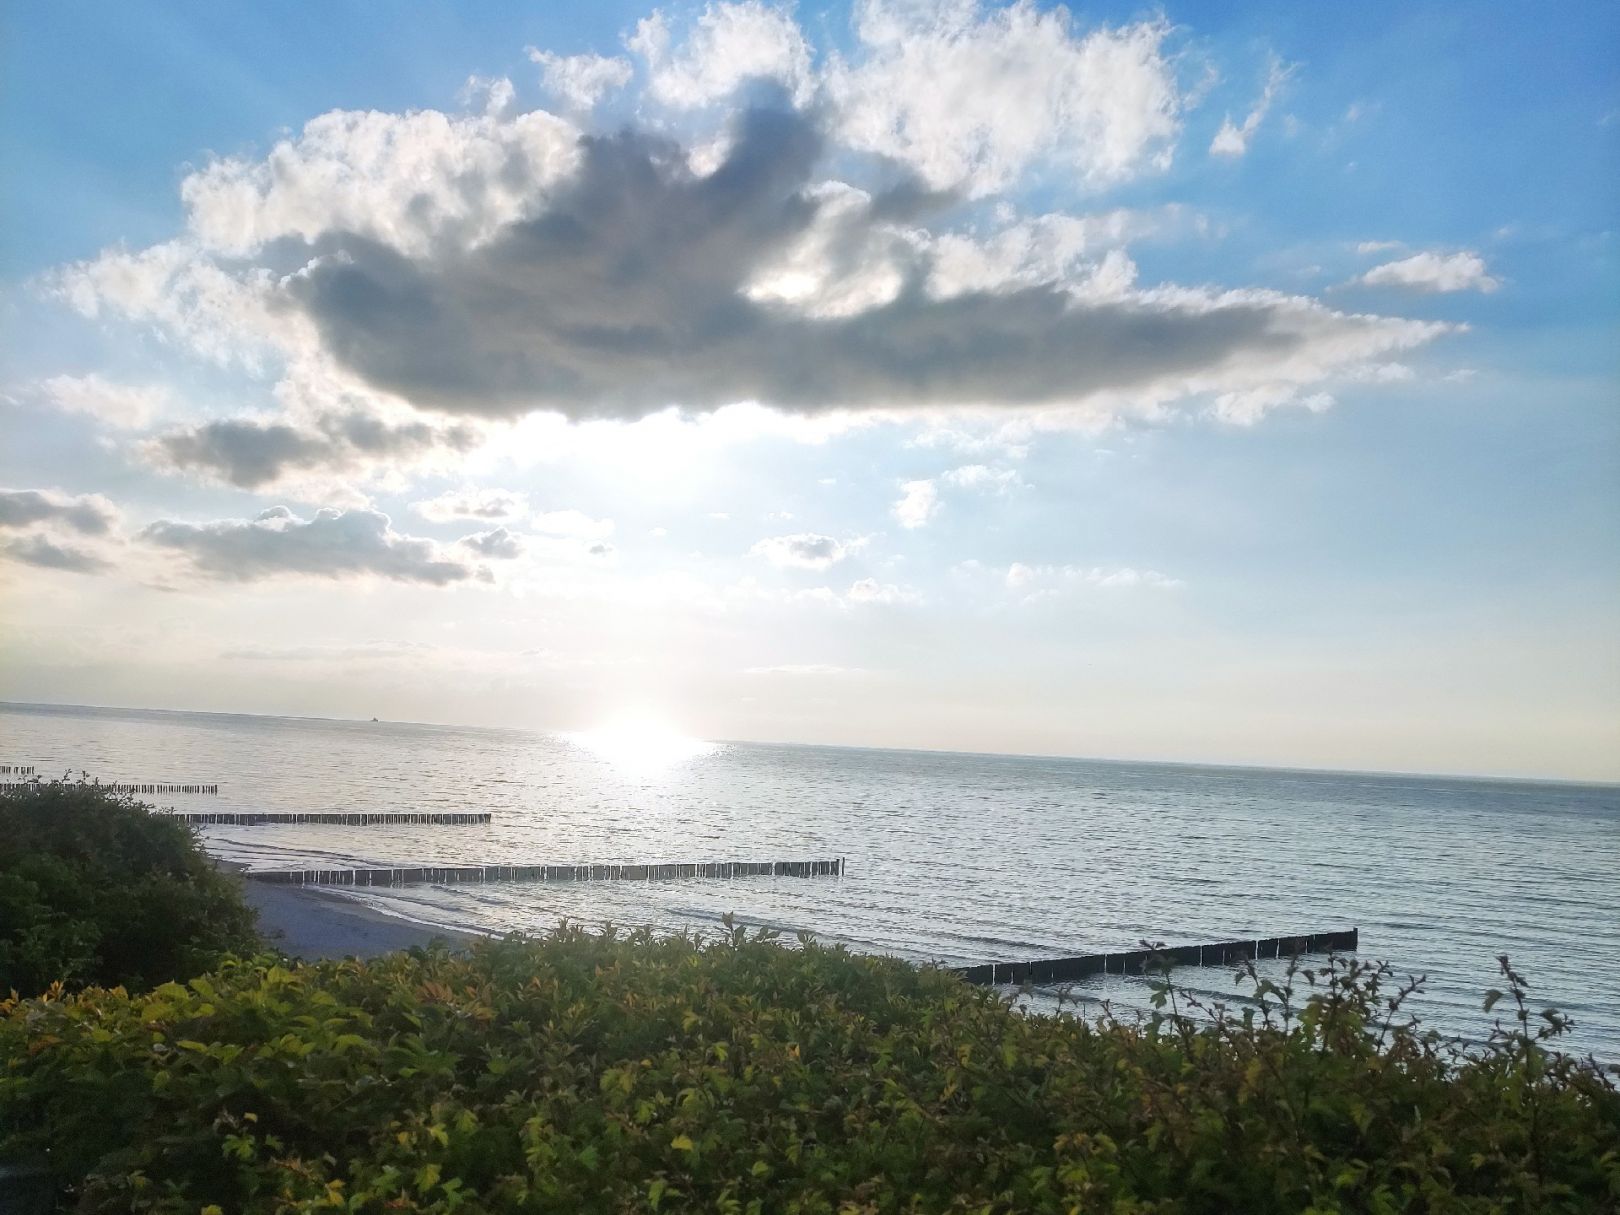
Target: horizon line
766 742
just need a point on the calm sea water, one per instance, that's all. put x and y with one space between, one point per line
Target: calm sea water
955 858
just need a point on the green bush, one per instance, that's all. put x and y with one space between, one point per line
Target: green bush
94 889
602 1073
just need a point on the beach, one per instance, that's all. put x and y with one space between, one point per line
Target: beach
315 924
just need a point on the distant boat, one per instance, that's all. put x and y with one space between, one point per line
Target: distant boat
373 719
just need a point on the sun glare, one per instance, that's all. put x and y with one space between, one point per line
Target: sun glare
630 741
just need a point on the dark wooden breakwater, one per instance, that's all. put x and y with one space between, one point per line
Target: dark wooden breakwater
547 873
1140 961
349 818
34 782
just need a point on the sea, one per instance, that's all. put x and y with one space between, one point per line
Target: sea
950 858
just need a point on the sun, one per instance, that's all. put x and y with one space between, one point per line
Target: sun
639 741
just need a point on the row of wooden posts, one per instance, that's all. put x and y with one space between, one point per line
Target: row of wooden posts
34 782
1140 961
349 818
548 873
16 769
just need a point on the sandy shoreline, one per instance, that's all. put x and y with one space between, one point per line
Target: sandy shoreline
307 923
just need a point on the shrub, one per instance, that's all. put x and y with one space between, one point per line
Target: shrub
604 1073
95 889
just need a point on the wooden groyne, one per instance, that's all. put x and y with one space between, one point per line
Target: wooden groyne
417 875
348 818
115 786
122 788
16 769
1137 961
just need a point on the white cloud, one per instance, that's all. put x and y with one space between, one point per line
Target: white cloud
407 180
1380 373
126 406
972 98
1378 246
806 550
726 46
474 503
1080 251
1233 139
870 590
983 478
918 503
806 669
580 81
573 524
222 315
1036 577
1434 272
1247 407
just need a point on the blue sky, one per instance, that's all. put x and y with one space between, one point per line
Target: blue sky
1253 397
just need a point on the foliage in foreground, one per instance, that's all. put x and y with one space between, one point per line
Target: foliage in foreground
586 1073
95 889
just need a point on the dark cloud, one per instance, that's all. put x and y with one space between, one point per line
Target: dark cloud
89 514
498 543
250 453
629 294
333 544
37 550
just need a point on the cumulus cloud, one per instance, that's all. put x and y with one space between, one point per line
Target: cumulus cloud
497 264
1233 138
918 503
807 550
331 544
1434 272
126 406
411 181
254 452
972 98
580 81
499 543
224 315
45 553
724 47
622 300
474 503
87 514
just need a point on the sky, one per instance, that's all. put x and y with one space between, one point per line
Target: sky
1212 383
